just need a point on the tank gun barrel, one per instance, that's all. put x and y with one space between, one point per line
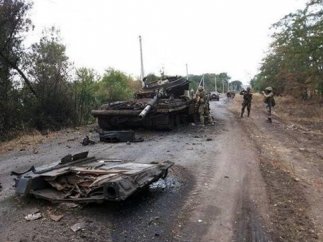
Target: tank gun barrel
150 104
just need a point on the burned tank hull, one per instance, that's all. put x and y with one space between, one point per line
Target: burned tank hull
85 179
160 105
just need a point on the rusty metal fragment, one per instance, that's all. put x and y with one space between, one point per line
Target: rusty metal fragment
80 178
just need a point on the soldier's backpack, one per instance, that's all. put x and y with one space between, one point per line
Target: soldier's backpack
273 102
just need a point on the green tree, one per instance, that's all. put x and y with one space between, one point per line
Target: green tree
114 86
235 85
84 87
222 80
295 59
13 24
49 68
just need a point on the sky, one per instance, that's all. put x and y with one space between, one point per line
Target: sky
211 36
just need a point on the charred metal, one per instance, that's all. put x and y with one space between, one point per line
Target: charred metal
163 104
80 178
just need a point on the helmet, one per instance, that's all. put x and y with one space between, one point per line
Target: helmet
200 88
270 89
248 89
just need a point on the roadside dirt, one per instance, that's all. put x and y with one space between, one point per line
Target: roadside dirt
291 163
228 184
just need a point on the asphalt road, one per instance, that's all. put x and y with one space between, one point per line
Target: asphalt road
215 191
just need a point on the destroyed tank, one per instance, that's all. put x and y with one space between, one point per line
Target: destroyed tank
162 105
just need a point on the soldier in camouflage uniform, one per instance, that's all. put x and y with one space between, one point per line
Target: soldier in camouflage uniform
200 103
247 97
207 111
269 101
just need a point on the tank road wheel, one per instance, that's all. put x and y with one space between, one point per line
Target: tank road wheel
104 124
165 122
173 121
177 120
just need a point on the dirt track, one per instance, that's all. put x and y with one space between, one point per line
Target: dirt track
240 180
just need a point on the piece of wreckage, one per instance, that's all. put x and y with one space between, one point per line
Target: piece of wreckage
80 178
163 105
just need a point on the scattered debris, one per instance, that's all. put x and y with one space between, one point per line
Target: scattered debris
0 187
87 141
226 176
72 139
200 220
209 139
80 178
54 217
33 216
153 220
119 136
76 227
68 205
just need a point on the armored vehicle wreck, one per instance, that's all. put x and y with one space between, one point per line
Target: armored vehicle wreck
80 178
163 104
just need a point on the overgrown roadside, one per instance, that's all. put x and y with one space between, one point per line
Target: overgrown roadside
289 173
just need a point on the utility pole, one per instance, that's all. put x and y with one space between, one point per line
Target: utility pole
141 62
186 72
223 86
202 82
215 87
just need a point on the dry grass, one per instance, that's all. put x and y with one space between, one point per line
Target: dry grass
301 112
25 141
306 115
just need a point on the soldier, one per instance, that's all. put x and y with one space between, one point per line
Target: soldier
200 103
207 111
247 97
269 101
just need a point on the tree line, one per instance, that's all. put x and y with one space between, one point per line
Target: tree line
220 82
294 62
39 87
212 81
